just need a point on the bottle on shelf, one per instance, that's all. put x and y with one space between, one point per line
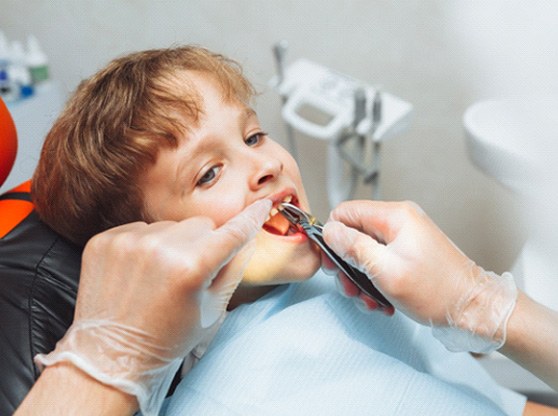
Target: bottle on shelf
18 72
8 90
37 61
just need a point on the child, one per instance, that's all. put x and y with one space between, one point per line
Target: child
169 134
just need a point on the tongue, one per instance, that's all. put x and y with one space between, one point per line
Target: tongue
277 224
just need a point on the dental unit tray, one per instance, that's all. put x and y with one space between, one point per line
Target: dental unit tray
306 83
358 117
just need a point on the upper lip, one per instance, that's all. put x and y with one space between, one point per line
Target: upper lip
278 197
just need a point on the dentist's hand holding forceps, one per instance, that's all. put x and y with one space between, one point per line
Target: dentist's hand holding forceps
148 293
416 266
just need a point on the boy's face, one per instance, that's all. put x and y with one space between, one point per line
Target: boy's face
223 164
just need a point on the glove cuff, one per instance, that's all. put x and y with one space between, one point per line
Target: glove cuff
478 321
117 356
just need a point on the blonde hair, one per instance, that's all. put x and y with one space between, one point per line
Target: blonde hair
113 127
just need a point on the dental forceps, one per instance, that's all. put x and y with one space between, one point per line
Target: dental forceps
314 229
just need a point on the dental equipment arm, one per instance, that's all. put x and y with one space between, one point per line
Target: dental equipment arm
279 53
428 278
147 295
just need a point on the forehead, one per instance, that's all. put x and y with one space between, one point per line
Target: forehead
209 96
193 83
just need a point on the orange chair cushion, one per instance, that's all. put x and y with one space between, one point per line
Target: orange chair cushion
14 208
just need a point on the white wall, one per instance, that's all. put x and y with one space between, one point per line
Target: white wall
440 55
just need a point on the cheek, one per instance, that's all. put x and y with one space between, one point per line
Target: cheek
217 204
278 262
293 172
290 168
220 211
221 205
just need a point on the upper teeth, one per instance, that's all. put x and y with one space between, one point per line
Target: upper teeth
274 210
286 199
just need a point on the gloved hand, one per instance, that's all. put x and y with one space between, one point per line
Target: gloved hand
147 295
423 273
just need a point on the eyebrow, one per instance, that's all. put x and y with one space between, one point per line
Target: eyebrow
249 112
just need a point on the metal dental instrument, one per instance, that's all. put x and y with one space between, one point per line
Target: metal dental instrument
313 229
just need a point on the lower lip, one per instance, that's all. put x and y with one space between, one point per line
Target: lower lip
295 238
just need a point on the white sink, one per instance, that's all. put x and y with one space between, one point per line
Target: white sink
516 142
513 140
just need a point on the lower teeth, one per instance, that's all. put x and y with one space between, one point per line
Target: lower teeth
292 230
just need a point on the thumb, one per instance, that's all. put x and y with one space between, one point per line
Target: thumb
357 249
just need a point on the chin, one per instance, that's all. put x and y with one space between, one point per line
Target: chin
281 259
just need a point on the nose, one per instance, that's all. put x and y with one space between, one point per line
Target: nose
266 169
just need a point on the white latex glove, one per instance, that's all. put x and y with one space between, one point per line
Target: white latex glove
423 273
147 295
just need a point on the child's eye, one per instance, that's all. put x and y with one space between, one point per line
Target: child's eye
255 138
209 176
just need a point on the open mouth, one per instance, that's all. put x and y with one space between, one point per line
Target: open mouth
277 224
